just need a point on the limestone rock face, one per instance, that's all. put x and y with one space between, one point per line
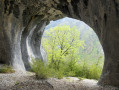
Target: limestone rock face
22 23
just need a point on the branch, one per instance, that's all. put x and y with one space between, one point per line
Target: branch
68 47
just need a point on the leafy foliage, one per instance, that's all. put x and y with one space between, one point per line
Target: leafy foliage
41 70
80 69
92 49
63 46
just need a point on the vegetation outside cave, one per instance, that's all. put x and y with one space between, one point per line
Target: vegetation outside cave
73 49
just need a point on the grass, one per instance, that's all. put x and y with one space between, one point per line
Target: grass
6 69
67 78
17 82
80 78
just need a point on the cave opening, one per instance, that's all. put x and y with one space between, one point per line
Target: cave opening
23 21
90 56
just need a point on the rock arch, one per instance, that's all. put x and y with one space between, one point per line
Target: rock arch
22 22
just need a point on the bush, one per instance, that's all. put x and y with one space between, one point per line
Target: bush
43 71
59 74
6 69
40 69
95 72
89 71
81 69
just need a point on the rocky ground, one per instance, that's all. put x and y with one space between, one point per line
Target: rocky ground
26 81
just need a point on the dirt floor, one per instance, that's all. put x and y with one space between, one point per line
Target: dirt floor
26 81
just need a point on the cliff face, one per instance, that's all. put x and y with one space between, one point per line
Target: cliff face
22 23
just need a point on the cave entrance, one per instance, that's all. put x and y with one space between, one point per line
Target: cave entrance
89 58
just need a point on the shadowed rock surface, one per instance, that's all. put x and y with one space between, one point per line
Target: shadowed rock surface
22 23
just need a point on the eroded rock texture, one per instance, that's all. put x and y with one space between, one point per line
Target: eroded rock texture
22 23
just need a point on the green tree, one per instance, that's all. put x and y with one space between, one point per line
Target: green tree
62 43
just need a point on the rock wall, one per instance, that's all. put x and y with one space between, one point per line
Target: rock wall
22 23
103 17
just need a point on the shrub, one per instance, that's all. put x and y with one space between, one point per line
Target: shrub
59 74
6 69
95 72
81 69
40 69
89 71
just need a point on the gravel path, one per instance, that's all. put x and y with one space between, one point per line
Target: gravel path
26 81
